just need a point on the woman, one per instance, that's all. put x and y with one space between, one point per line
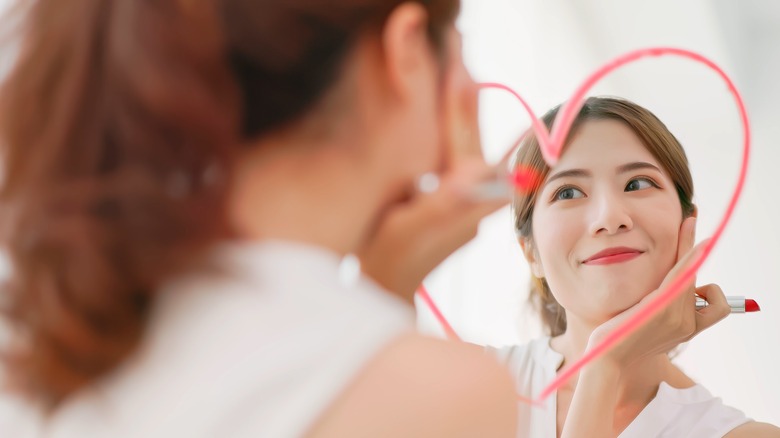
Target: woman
604 231
181 181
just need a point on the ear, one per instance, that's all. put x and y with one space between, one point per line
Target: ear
695 211
409 58
529 251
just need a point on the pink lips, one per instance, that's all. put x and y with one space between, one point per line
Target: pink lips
613 255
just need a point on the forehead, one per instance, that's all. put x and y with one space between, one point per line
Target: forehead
604 144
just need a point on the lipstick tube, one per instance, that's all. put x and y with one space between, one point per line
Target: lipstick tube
737 304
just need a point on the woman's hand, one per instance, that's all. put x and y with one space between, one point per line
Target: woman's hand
415 237
676 323
592 410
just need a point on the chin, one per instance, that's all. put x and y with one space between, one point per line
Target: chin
618 298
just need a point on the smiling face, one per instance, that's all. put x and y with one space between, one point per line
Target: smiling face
605 222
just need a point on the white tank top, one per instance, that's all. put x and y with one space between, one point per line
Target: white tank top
258 350
675 413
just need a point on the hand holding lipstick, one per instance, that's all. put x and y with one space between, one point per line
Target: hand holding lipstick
737 304
678 322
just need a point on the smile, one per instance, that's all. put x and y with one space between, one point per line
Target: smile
612 256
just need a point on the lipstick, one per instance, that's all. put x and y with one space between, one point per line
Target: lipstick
612 255
737 304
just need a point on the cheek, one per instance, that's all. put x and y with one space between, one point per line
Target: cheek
556 240
662 221
666 239
662 225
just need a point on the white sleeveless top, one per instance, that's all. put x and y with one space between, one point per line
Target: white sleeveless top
259 350
675 413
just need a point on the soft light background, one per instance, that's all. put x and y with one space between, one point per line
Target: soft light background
544 49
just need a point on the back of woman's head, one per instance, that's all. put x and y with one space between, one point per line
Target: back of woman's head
119 124
655 136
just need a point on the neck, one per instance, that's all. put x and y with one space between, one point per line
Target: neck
318 194
638 383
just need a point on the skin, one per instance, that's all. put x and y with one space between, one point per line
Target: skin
353 161
608 191
416 235
608 207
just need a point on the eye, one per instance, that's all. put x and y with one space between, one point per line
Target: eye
565 193
640 184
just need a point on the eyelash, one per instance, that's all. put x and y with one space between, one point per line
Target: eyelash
636 178
644 178
560 190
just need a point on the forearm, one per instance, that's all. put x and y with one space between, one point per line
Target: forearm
592 409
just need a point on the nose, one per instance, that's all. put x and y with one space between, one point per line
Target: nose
609 215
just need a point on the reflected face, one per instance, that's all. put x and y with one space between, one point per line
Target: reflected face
605 223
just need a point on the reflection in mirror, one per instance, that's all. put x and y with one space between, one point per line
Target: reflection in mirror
484 289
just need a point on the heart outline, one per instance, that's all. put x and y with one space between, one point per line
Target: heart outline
551 145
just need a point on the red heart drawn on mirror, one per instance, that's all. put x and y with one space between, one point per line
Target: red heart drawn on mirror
551 144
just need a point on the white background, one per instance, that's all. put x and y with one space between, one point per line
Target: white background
544 49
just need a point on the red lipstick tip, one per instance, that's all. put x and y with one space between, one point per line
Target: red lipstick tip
751 306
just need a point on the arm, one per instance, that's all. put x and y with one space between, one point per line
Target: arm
592 410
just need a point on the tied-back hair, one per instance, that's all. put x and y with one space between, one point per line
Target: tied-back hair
655 136
120 121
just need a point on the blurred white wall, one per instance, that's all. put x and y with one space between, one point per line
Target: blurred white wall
544 49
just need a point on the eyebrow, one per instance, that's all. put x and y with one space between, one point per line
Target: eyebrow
582 173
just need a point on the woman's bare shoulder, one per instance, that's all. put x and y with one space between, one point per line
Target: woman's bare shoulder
420 386
754 429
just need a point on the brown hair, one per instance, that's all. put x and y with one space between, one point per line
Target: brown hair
118 126
661 143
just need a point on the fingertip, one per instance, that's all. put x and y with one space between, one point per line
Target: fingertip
689 227
687 239
716 299
703 244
